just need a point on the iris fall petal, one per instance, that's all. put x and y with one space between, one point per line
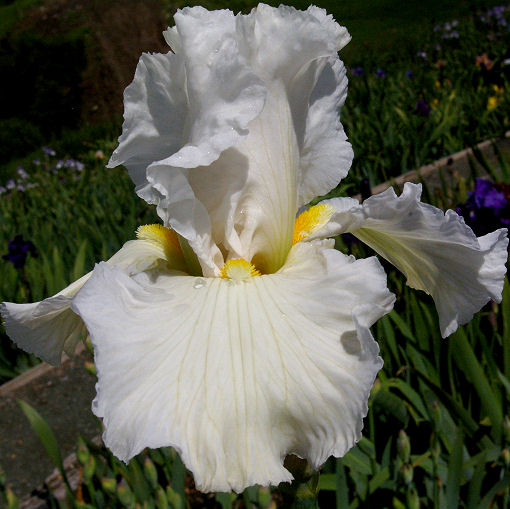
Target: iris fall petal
236 375
437 252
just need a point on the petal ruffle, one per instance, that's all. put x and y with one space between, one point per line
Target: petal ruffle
49 328
237 375
46 328
326 155
437 252
184 109
261 90
155 112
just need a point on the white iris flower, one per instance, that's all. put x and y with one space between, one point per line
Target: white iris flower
235 333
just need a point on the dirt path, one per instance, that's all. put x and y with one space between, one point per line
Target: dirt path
63 397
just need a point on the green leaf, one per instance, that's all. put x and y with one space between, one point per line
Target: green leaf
79 261
475 486
487 501
455 471
46 436
378 479
468 363
401 325
505 314
225 499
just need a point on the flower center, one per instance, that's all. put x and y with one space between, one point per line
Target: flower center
238 270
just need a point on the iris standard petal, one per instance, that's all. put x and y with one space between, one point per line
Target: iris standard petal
49 327
235 375
155 113
437 252
261 127
326 155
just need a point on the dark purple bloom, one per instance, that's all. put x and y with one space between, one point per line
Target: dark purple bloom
380 73
18 250
487 207
357 71
422 108
410 74
422 54
349 240
486 194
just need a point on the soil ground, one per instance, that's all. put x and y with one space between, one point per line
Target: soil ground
63 397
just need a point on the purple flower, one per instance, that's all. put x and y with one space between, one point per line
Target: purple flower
422 108
487 207
410 74
10 184
486 194
18 250
48 151
37 162
357 71
422 54
2 190
22 173
437 47
20 187
380 73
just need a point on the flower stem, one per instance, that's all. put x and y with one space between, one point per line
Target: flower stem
303 492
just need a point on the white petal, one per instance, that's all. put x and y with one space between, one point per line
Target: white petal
49 327
437 252
46 328
326 156
261 133
281 41
234 375
343 219
155 112
180 210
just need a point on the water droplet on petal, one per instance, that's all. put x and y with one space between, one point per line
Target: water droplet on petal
199 283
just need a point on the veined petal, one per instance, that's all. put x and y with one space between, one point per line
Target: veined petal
237 374
437 252
49 327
